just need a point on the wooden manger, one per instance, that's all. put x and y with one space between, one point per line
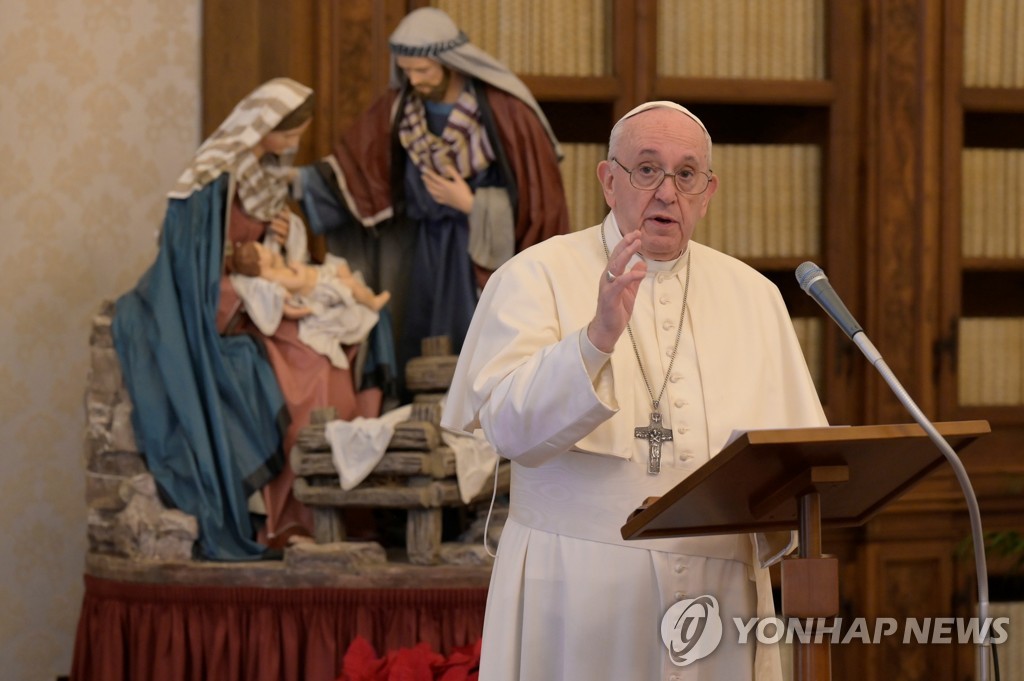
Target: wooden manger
416 473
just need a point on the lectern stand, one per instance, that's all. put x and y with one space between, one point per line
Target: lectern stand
803 479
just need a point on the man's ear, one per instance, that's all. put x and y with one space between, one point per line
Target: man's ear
705 199
607 178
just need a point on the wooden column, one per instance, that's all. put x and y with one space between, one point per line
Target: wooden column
903 102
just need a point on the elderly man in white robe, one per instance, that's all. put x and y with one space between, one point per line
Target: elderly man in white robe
580 345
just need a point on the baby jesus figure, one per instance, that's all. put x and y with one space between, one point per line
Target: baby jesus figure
332 303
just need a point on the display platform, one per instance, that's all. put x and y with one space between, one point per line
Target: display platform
263 621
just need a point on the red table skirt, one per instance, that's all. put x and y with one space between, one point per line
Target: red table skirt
152 632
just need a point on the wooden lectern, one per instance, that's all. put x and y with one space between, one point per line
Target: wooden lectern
803 479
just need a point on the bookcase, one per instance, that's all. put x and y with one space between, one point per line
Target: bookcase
882 139
983 212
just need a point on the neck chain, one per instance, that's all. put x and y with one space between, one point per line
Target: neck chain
654 433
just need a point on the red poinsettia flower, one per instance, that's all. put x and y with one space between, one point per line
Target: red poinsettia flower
361 664
418 663
462 665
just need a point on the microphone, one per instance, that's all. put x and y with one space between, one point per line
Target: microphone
815 284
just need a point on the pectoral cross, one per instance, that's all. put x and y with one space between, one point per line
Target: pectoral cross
655 435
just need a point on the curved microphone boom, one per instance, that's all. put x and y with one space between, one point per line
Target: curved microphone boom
814 282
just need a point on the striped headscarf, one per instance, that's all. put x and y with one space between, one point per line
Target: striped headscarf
260 182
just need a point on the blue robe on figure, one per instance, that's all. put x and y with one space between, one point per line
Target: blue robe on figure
207 410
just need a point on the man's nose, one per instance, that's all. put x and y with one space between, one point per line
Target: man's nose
666 191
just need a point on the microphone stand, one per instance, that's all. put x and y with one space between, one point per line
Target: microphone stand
862 341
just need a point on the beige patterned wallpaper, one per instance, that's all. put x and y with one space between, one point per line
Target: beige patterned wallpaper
99 111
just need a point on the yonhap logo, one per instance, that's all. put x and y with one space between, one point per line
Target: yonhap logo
691 629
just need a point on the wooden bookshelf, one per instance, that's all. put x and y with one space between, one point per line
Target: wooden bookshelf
745 91
992 99
981 255
569 89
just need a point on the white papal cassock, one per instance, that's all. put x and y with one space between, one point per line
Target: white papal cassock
569 598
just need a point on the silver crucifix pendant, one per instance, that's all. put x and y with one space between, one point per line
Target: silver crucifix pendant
655 435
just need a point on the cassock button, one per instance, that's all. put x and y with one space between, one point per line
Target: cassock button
675 378
682 430
679 595
679 566
667 324
680 404
664 300
670 352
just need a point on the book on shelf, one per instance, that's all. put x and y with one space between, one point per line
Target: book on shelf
669 53
968 363
1013 350
1018 59
992 209
814 169
697 44
1018 219
751 172
1008 41
797 24
727 207
993 40
582 189
991 361
972 48
801 200
741 39
734 203
562 54
529 33
490 29
1012 188
777 53
472 20
755 202
722 23
790 214
768 201
995 227
993 55
513 29
971 232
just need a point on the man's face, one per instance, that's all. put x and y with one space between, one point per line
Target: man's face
666 219
428 78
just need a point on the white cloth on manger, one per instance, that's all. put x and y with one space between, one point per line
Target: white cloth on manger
357 446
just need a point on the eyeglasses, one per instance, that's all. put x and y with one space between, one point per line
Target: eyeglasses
649 177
